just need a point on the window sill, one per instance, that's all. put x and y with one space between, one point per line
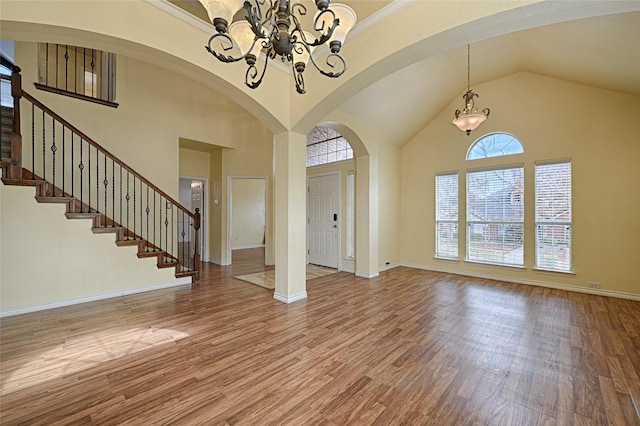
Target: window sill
554 272
447 259
75 95
496 265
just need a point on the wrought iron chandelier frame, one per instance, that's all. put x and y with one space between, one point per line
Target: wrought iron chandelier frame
280 34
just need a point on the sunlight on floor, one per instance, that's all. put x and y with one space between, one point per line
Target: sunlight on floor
78 354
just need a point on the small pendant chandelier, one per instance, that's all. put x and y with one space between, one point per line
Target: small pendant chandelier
274 26
469 118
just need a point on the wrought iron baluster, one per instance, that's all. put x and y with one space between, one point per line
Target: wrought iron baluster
181 245
33 143
72 162
54 148
161 222
98 183
57 60
66 67
172 228
154 220
128 198
46 61
113 193
75 69
63 157
81 167
134 206
44 149
147 210
89 170
120 194
93 71
106 184
141 221
166 228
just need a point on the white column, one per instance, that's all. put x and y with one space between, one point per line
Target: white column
290 217
367 216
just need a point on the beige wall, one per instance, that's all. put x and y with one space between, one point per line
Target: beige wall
248 213
37 269
553 119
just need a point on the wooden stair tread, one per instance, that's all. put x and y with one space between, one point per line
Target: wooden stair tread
75 215
156 253
106 230
51 199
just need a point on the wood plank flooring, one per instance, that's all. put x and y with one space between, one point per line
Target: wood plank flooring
408 347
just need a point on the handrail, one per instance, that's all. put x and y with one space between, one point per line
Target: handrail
68 125
151 210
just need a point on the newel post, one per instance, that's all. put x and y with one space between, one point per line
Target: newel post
15 170
196 255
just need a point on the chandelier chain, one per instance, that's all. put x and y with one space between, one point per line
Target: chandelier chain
468 66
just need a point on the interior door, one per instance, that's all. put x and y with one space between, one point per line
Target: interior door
322 227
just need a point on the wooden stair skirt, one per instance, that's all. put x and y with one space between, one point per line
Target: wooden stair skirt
101 224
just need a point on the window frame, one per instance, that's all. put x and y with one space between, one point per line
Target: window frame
439 254
567 224
496 227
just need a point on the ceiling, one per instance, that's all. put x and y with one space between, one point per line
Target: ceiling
603 52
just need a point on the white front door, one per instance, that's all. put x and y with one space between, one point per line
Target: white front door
322 227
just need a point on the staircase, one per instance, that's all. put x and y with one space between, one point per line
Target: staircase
66 166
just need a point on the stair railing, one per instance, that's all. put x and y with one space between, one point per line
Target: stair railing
79 168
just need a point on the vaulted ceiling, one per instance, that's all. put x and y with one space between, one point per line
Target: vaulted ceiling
601 51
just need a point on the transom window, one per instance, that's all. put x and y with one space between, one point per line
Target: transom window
325 145
494 145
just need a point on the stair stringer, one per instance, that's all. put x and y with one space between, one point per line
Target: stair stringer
47 260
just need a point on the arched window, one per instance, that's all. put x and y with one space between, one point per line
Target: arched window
494 145
325 145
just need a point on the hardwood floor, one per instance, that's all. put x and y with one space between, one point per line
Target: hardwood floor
408 347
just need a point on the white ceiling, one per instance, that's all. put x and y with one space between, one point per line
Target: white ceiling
602 52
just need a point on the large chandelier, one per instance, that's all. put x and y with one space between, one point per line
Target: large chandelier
274 26
469 118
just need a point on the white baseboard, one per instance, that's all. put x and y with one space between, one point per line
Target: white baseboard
368 276
350 269
290 299
248 247
389 266
17 311
596 291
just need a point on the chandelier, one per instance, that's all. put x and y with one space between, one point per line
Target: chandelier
469 118
274 26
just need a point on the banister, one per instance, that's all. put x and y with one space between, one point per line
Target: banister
68 125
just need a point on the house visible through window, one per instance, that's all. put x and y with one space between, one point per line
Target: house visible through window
325 145
447 215
78 72
553 216
495 224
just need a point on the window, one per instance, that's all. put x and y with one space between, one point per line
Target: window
78 72
495 145
495 216
351 215
553 216
325 145
447 216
